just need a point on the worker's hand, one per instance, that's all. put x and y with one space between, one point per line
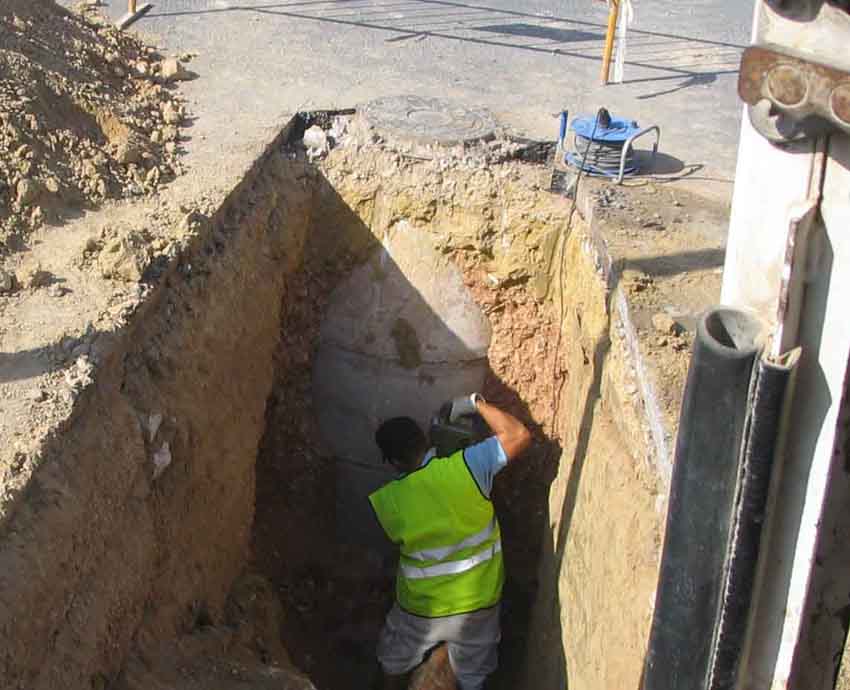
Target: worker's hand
464 405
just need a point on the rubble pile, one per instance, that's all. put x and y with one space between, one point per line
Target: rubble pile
86 114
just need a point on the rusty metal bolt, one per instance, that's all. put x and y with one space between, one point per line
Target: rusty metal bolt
840 102
787 85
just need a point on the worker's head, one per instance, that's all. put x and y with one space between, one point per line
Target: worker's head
402 443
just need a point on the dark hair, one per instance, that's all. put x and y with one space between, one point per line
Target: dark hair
401 441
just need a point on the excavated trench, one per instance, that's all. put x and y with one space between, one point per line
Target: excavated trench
322 297
424 277
401 294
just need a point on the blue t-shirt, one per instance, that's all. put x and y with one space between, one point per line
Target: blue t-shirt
485 460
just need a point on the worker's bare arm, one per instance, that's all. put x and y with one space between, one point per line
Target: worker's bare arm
512 433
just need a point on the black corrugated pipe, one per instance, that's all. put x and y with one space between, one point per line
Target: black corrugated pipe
768 400
702 494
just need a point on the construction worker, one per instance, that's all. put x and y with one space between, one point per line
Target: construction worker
450 574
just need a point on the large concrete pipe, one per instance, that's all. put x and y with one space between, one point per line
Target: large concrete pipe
401 336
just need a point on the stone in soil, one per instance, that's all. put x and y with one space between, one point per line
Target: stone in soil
171 70
7 282
35 277
665 324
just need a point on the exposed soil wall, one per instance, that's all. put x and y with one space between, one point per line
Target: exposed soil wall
107 544
600 555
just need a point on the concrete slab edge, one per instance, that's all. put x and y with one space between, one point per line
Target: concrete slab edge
659 436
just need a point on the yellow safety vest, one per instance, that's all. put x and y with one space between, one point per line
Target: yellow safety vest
451 548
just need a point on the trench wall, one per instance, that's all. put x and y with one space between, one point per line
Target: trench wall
101 553
602 543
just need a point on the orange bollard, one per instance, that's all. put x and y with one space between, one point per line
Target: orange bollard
613 14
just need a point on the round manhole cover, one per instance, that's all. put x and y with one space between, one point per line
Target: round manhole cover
428 120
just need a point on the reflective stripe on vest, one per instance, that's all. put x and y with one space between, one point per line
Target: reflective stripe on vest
451 567
443 553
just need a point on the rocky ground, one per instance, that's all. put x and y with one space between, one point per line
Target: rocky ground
87 113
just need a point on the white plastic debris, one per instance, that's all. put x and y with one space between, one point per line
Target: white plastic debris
625 20
316 142
79 375
161 460
154 422
338 128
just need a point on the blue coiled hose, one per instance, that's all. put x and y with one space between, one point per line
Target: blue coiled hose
598 143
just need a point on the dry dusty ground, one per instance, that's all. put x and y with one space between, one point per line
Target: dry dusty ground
668 247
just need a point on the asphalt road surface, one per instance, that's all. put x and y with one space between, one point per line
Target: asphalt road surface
526 61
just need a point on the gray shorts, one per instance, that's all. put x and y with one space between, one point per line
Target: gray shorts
472 640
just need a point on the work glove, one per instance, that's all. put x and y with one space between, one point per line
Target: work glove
464 405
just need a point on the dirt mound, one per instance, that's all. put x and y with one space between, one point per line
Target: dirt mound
85 116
